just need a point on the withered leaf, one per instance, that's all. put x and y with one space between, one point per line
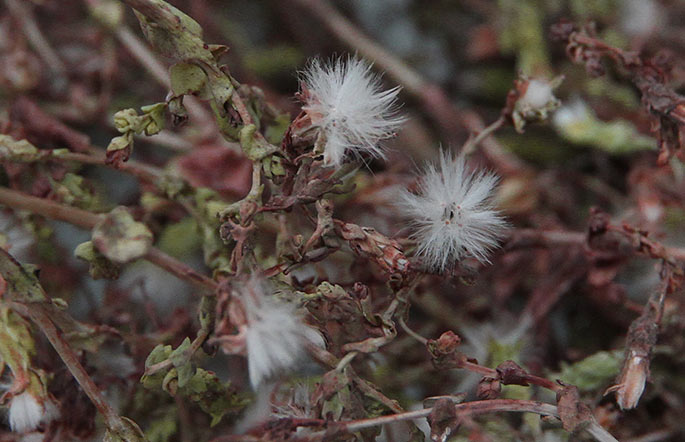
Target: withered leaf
574 414
120 238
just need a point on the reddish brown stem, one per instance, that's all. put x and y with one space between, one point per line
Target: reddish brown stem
139 170
523 238
41 318
470 408
88 220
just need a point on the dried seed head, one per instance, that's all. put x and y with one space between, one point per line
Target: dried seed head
347 104
275 336
453 215
27 412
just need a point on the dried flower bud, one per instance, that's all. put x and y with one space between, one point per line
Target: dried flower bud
444 350
632 381
366 241
532 100
447 342
489 388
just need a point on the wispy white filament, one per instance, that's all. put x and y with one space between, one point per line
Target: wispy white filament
14 238
452 214
276 337
346 101
26 413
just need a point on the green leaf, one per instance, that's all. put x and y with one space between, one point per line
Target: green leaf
592 372
108 12
155 118
74 190
158 354
130 433
170 382
187 78
221 89
164 428
212 396
16 342
21 280
616 137
120 142
128 120
180 239
181 360
180 40
207 312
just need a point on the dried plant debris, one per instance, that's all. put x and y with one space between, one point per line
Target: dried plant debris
255 221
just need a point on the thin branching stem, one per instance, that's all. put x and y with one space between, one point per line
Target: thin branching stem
42 319
471 145
88 220
470 409
411 332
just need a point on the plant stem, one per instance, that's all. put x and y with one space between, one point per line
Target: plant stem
411 332
139 170
23 13
88 220
40 317
470 146
470 408
522 238
48 209
143 55
345 360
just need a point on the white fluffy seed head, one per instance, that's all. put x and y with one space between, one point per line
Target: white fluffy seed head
27 412
574 113
346 102
276 336
538 94
453 215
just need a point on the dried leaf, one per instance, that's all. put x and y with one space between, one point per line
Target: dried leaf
574 414
120 238
443 420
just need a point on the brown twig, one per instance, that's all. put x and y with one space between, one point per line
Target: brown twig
139 170
468 409
88 220
40 317
22 11
526 238
649 76
640 342
471 145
